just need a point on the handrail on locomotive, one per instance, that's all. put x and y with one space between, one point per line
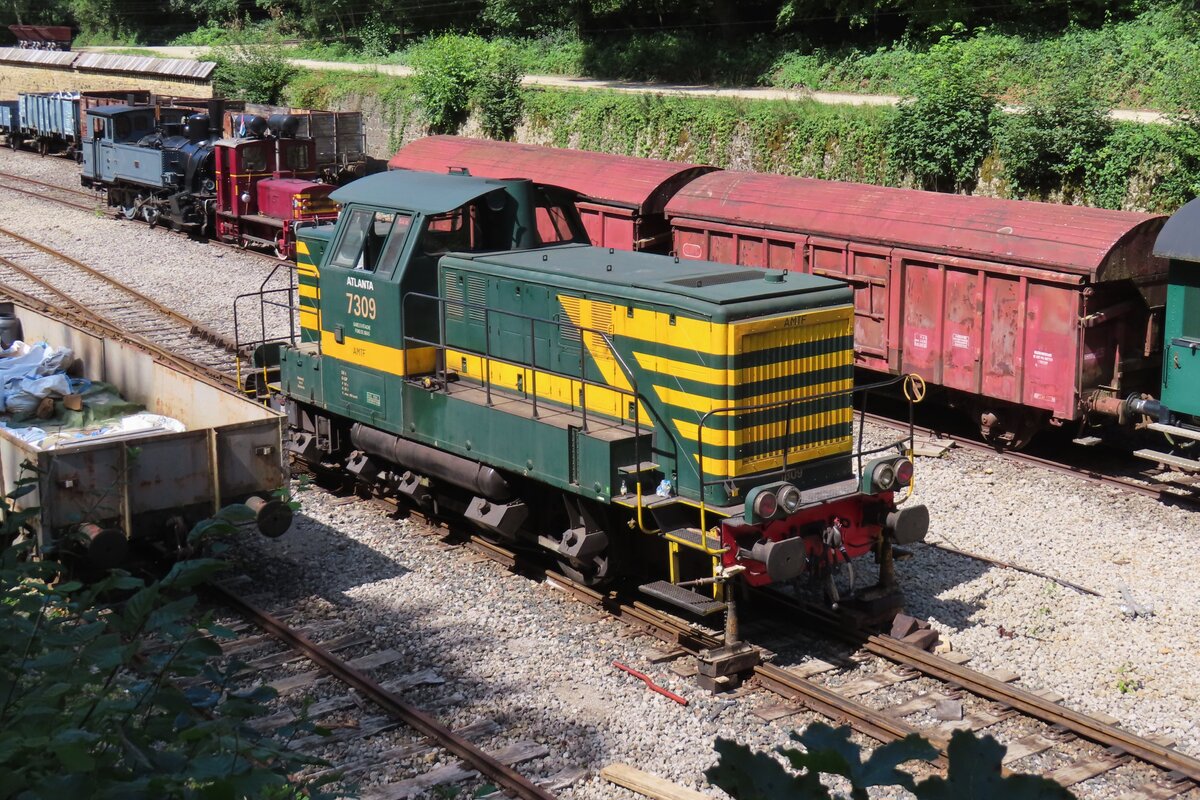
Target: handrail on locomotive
255 346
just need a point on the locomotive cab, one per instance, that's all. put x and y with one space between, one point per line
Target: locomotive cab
462 347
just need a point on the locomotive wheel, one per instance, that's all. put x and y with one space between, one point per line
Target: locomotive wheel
129 211
150 214
594 572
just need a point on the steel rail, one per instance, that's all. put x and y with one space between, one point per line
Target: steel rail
196 327
505 776
90 321
50 186
827 703
871 722
986 686
1102 479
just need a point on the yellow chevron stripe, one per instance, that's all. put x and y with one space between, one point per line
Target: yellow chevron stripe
701 335
308 319
554 388
730 377
725 468
718 437
301 247
307 290
703 405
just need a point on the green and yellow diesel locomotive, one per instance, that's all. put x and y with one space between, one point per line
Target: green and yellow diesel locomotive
460 345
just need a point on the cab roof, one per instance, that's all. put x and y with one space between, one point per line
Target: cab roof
113 111
1180 237
422 192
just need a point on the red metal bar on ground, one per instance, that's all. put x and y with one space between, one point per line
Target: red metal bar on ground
654 687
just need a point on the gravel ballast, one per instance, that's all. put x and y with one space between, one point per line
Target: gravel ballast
524 654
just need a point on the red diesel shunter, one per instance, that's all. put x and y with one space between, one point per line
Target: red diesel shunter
265 186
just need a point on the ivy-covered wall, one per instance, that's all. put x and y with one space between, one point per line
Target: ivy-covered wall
1139 167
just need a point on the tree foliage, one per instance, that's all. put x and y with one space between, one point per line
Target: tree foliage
457 73
258 73
90 698
1054 141
942 132
975 769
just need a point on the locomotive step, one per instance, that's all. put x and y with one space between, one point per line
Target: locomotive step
682 598
638 469
1168 459
1175 430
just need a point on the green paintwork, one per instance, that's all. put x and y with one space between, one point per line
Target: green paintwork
703 288
1181 340
520 291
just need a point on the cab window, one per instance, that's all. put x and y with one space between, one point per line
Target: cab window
364 236
124 126
254 159
97 127
297 158
449 233
395 242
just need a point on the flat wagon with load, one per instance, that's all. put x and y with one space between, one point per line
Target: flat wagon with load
109 447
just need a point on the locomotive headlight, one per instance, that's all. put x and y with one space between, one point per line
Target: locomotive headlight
884 477
245 198
789 498
904 472
765 505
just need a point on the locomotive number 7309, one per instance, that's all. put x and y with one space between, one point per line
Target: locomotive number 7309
358 305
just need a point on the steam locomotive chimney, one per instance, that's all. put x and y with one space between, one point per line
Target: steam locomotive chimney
216 116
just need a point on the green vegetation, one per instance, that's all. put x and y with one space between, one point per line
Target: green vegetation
258 73
974 769
91 702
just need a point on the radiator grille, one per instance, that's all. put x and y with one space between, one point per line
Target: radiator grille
788 367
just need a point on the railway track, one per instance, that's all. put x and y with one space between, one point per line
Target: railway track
1164 493
30 271
63 195
854 690
378 710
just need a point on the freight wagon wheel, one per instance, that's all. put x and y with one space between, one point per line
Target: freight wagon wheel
150 214
1013 430
129 212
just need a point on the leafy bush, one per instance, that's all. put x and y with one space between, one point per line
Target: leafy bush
256 73
497 93
376 36
1054 142
942 132
452 73
974 771
89 705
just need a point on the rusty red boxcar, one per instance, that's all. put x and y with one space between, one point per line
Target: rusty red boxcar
1028 312
1025 313
622 196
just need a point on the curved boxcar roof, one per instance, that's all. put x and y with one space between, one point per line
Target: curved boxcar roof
643 184
1075 239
